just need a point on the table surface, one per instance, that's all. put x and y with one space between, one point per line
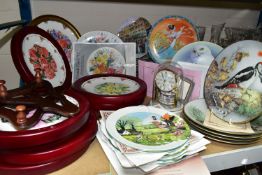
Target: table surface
94 160
217 156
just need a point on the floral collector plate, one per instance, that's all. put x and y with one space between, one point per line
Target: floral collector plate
111 86
168 35
148 128
60 29
31 48
105 60
99 37
200 52
232 87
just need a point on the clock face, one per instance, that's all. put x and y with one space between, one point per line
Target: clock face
165 80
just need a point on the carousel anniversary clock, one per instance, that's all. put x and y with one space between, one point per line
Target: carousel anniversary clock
171 89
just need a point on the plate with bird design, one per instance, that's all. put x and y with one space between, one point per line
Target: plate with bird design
168 35
200 52
148 128
233 83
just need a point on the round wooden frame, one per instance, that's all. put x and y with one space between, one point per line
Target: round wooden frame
66 23
112 102
41 169
19 61
53 151
30 138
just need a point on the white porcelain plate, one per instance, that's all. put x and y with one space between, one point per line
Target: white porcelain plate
148 128
200 52
105 60
38 52
99 37
110 86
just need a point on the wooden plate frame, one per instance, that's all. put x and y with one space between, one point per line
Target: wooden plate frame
30 138
112 102
53 151
19 60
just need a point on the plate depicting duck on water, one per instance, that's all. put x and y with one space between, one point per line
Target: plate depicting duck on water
233 85
148 128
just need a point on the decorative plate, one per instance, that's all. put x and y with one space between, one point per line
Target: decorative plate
110 86
111 91
55 150
45 133
105 60
196 111
135 29
168 35
60 29
148 128
32 48
200 52
232 87
99 37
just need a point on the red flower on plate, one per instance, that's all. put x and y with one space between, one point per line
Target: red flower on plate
41 58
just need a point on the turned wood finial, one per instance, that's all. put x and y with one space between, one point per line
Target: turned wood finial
21 115
38 75
3 90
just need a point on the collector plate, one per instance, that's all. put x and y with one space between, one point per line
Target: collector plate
232 87
148 128
168 35
99 37
32 47
53 151
135 29
200 52
105 60
45 135
197 110
110 86
60 29
111 91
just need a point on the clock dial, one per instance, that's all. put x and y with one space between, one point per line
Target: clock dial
165 80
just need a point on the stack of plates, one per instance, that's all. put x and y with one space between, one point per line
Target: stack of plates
53 143
147 138
196 113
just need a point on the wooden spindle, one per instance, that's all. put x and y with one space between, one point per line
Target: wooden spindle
3 90
38 75
21 115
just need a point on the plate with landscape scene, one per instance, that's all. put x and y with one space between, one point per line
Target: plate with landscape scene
148 128
233 83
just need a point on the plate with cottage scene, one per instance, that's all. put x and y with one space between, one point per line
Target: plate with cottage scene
200 52
233 83
99 37
148 128
106 60
135 29
60 29
168 35
32 48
